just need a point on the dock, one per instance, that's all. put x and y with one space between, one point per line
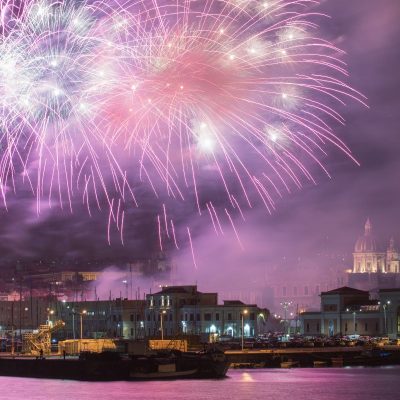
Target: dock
310 357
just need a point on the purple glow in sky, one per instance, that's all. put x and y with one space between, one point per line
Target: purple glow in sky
327 215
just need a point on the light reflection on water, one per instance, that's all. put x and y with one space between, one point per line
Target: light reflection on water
274 384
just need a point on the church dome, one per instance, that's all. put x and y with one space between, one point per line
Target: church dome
367 242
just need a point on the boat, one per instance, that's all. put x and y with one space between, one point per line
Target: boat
373 357
320 364
108 366
176 364
289 364
337 362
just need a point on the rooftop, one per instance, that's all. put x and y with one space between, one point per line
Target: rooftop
179 289
389 290
345 290
189 289
237 303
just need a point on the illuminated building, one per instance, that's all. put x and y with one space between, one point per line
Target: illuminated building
374 269
349 311
367 258
185 310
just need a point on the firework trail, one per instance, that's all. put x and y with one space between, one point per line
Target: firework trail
241 93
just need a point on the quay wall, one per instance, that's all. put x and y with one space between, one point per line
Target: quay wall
307 356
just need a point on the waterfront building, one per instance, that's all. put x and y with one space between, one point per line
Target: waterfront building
300 280
302 287
348 311
183 310
118 318
61 277
389 302
25 314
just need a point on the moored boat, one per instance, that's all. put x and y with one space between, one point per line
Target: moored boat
289 364
171 364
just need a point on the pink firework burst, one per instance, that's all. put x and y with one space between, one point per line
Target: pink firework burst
240 93
219 82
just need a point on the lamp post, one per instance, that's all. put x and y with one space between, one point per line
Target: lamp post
243 314
125 282
81 315
163 312
286 305
290 323
50 313
73 323
354 319
260 316
12 339
385 306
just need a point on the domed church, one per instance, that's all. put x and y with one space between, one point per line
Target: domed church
367 258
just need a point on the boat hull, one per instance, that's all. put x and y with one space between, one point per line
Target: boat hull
101 367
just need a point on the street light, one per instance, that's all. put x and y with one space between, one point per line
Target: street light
73 322
81 315
259 317
243 314
125 282
354 320
385 306
50 313
163 312
286 305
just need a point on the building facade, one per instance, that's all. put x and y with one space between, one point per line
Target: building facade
118 318
374 269
367 258
19 316
180 310
183 310
389 301
349 311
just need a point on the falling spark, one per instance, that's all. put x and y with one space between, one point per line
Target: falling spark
159 233
165 220
234 229
173 234
191 247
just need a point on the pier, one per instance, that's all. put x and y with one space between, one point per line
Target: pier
310 357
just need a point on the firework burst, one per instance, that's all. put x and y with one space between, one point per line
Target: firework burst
242 92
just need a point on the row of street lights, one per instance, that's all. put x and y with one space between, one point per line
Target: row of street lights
384 306
163 312
285 305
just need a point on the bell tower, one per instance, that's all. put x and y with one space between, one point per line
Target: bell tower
392 257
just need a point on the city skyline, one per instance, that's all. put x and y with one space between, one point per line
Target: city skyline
199 199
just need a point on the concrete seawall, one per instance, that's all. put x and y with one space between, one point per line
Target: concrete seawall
309 357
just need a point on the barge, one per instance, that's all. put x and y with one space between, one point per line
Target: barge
109 366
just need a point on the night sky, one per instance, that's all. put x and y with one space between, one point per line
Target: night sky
326 217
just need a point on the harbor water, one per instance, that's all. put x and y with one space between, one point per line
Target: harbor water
256 384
